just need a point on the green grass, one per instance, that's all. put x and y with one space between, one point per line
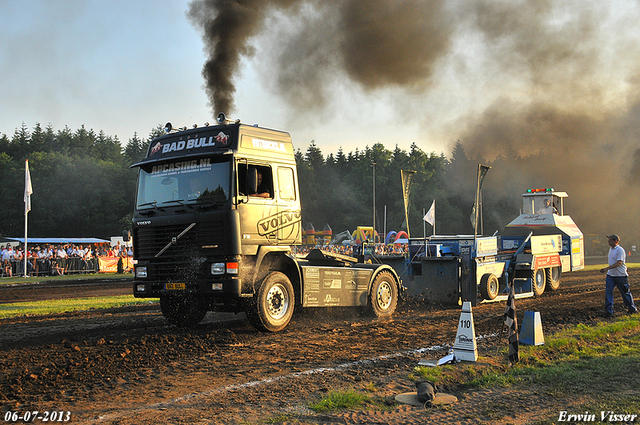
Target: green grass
42 279
575 358
336 400
599 266
68 305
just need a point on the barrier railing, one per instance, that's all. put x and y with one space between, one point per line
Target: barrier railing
71 265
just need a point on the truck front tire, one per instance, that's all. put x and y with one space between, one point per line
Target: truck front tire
384 295
272 305
182 310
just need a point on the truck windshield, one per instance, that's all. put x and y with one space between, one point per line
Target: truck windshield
183 182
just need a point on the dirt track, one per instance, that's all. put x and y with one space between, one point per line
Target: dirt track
127 366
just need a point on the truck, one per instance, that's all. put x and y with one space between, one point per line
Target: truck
217 212
531 255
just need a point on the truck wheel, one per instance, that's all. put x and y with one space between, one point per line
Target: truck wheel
181 310
384 295
489 286
273 304
539 280
553 278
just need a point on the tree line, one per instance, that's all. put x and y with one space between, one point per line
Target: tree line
83 186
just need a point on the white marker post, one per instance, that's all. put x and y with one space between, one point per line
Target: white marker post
465 347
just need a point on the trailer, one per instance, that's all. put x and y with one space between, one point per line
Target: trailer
535 250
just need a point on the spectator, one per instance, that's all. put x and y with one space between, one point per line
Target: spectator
56 269
7 253
61 253
18 258
617 277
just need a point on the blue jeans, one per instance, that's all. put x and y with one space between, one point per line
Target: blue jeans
623 285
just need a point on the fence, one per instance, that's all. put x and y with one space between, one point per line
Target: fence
71 265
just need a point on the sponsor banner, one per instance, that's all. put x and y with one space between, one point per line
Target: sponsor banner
178 167
496 268
547 261
110 264
486 246
546 244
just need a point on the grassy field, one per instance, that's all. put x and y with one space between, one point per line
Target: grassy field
589 369
43 279
36 308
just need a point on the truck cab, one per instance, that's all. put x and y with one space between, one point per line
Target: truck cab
217 211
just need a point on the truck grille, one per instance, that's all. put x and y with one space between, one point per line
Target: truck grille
151 240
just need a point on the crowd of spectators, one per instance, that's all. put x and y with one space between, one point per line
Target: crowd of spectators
49 259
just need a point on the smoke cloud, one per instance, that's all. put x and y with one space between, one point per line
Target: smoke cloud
549 85
227 27
373 43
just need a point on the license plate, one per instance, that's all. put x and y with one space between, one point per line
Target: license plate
171 286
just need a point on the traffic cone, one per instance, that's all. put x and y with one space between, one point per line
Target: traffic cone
465 347
531 331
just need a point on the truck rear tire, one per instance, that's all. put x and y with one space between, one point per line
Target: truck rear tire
553 278
489 286
538 281
384 295
272 306
182 310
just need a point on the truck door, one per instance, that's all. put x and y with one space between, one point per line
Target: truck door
289 228
256 202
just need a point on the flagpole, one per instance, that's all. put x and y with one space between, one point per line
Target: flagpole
26 212
25 243
28 190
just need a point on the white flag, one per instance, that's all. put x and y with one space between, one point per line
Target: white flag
429 217
28 190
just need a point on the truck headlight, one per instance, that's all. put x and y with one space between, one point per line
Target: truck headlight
217 268
141 272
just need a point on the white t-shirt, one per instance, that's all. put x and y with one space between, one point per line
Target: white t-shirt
617 253
7 254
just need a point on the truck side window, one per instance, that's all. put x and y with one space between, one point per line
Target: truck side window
255 181
286 185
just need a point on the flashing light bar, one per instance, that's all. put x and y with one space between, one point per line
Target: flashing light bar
548 189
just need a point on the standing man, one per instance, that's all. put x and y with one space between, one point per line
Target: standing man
617 276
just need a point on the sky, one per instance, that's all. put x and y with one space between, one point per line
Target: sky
127 66
516 77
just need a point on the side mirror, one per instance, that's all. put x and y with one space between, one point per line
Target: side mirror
126 235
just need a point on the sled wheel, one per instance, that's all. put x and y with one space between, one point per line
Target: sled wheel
539 280
553 278
384 295
489 286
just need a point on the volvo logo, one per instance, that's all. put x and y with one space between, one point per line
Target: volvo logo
143 223
278 221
